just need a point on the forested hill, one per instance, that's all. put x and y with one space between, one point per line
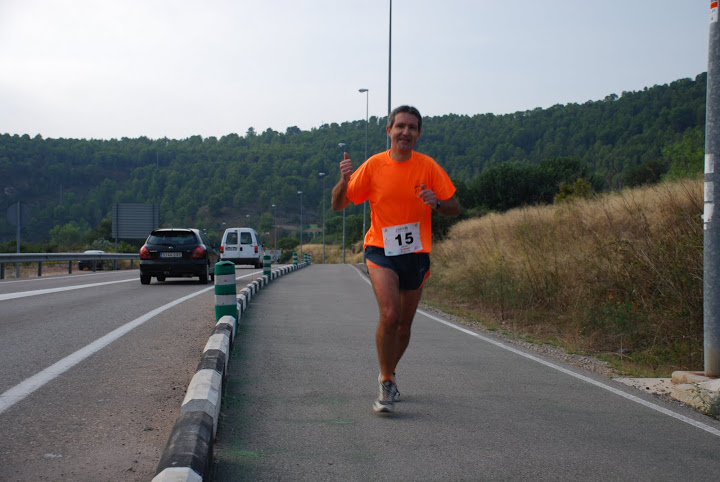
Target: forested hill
236 179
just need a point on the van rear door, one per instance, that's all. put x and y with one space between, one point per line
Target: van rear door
231 241
246 237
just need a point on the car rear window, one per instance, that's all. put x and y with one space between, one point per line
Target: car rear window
245 238
231 238
172 239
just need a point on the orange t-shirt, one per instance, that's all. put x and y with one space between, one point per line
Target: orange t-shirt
392 188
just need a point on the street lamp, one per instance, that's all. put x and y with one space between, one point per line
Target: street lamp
322 175
344 148
367 99
389 67
301 224
275 226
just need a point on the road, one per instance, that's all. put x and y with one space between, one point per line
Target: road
297 404
93 370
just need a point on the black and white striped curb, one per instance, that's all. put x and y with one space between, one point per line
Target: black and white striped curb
188 454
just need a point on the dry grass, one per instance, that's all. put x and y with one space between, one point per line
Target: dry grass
620 275
333 253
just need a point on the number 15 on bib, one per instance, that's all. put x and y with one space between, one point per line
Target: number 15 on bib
402 239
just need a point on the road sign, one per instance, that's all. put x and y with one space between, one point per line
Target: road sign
12 213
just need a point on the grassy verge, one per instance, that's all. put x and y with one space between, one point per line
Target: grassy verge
618 277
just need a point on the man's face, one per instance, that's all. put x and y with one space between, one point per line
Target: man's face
404 132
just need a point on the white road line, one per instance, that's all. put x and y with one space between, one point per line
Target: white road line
29 385
23 294
589 380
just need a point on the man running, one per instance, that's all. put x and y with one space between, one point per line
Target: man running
403 187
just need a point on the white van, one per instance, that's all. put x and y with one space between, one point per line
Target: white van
241 246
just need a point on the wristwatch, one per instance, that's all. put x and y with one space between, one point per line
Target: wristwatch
437 206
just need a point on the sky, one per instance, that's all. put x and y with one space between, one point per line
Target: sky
104 69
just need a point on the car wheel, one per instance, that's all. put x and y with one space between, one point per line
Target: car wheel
145 279
204 276
161 278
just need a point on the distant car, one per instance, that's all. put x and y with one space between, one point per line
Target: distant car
89 263
175 253
242 246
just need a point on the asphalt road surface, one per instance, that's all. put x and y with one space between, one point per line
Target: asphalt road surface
93 370
303 377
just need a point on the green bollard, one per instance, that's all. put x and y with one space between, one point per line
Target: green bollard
266 266
225 290
295 259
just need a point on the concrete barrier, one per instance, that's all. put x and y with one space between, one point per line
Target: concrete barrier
188 454
204 395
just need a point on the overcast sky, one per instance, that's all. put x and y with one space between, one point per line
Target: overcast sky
175 68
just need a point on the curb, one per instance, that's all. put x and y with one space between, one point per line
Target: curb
188 454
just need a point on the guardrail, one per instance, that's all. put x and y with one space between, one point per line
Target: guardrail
39 258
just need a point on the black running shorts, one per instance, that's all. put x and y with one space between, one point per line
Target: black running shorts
412 268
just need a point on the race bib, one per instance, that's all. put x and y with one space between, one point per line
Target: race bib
402 239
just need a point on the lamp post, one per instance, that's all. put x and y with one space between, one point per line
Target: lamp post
275 226
367 100
322 175
344 148
301 224
389 67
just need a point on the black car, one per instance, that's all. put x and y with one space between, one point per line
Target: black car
177 252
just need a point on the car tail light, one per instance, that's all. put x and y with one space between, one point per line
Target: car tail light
144 253
222 249
256 249
198 252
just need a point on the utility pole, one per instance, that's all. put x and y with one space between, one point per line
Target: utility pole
711 231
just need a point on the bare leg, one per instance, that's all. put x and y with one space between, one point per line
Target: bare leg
397 311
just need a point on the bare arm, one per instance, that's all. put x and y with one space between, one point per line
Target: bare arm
339 193
448 207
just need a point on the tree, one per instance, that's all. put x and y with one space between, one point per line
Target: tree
687 156
69 235
503 160
649 172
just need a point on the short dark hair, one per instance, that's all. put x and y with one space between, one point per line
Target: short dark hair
407 109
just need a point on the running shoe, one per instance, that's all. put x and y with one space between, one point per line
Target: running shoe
397 390
386 397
